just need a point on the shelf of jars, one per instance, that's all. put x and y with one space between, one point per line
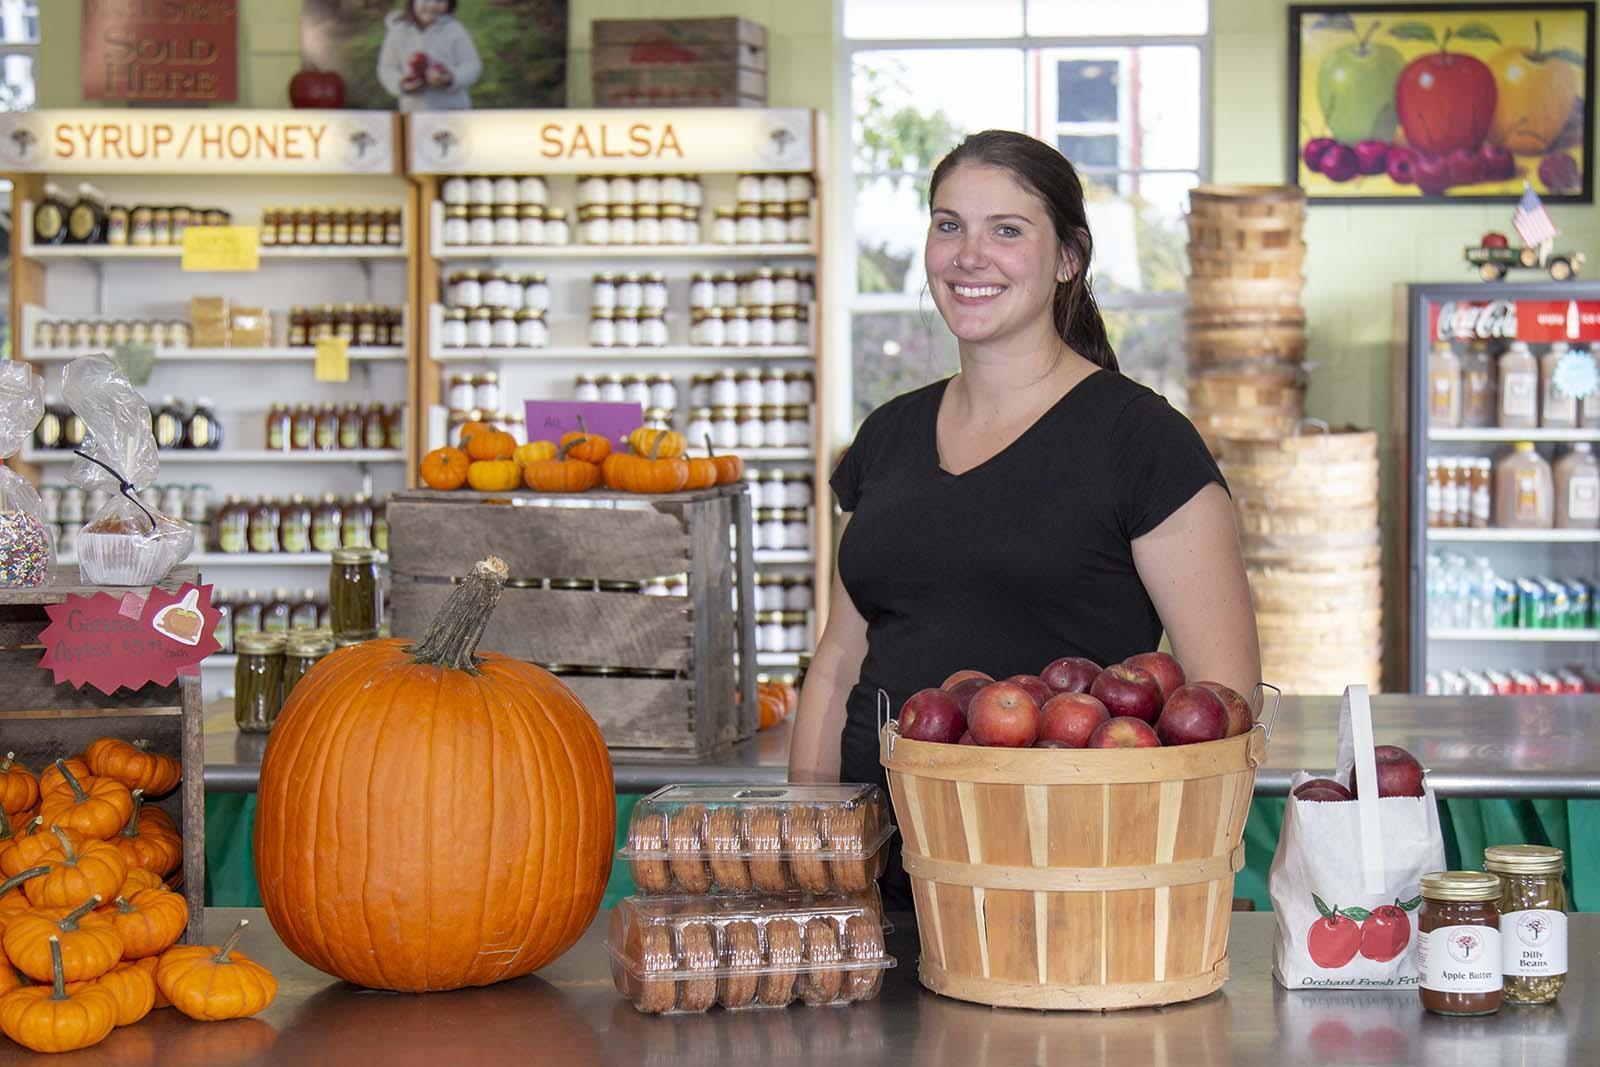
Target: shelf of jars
1494 434
42 335
1557 637
185 456
1491 536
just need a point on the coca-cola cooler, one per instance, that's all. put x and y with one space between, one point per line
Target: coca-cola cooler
1504 499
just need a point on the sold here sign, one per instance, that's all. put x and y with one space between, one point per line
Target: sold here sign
176 51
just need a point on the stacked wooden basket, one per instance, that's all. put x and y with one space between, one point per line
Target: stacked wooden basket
1307 508
1246 327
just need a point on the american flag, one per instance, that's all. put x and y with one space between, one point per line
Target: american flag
1532 220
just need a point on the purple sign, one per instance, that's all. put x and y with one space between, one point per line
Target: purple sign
549 419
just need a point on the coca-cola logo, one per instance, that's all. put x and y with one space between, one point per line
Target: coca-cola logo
1497 318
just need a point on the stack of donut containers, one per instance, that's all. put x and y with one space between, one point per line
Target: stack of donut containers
752 898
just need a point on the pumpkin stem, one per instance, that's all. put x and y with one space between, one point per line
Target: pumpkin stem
655 446
60 972
70 922
5 765
66 845
227 946
453 636
707 439
132 829
17 879
143 744
561 453
5 826
78 795
33 825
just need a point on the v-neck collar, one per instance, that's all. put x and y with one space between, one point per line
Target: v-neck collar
938 403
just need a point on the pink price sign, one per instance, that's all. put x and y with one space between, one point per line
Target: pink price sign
549 419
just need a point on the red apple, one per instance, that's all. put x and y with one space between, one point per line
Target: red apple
964 691
1433 175
1466 166
1399 773
1003 714
1239 717
1312 152
1340 163
1445 101
1402 165
1193 714
932 715
1496 163
1071 718
961 676
316 88
1321 789
1128 691
1373 156
1167 672
1124 732
1035 687
1070 674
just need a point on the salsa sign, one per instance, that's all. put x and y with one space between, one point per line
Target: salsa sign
179 51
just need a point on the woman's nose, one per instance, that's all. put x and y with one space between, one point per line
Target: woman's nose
969 253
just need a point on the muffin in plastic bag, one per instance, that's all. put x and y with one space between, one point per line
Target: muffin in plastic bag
26 545
125 543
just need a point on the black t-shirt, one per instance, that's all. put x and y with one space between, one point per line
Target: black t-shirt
1021 560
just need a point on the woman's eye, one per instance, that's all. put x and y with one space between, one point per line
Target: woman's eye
945 226
1008 231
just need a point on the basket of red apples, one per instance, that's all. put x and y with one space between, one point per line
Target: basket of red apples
1051 869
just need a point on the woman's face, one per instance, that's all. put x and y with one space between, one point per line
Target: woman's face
429 11
992 255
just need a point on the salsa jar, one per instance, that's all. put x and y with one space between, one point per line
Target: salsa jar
1533 920
355 594
1459 956
257 681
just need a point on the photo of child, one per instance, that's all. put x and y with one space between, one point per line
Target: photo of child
428 60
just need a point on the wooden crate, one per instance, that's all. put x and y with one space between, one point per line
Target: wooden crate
705 703
719 62
42 721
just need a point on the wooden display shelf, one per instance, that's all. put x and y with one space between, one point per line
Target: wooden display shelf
598 253
45 721
589 353
1493 536
226 355
181 456
1493 434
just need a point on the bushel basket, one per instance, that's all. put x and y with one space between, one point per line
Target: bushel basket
1072 878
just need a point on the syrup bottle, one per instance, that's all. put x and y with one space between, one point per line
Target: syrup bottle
50 217
86 220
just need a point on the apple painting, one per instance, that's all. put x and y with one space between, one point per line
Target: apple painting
1445 100
1537 90
1355 87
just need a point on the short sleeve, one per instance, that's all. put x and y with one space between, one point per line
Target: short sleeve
847 476
1160 463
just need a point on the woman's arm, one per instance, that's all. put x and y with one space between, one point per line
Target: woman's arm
835 667
467 67
1192 568
391 64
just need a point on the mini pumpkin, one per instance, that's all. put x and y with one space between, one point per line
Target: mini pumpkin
151 845
635 473
133 765
773 701
148 965
89 943
494 475
534 451
13 901
153 817
562 474
589 447
702 473
470 428
52 1019
489 444
445 468
730 468
98 811
650 441
215 983
33 846
10 979
51 779
92 869
149 922
140 878
19 787
132 985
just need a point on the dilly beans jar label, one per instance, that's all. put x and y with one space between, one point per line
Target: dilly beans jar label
1534 942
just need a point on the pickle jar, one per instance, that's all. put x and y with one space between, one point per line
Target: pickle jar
257 681
355 594
301 653
1459 957
1533 920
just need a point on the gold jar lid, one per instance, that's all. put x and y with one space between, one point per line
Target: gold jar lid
481 211
571 583
786 311
1524 859
532 211
482 313
345 556
647 211
255 643
621 211
505 211
1460 886
308 645
455 211
619 585
672 211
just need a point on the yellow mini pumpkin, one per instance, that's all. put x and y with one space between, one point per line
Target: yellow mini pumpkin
534 451
494 475
662 444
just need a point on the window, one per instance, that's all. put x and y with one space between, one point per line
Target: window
1119 89
19 40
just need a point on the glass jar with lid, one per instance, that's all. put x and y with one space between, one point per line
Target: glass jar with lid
774 189
494 289
355 594
699 427
556 229
532 331
674 231
505 190
647 224
302 651
702 290
624 230
652 328
727 288
763 287
672 189
504 329
531 189
714 327
620 190
455 189
653 289
693 232
774 427
628 334
531 224
257 679
786 325
693 192
480 327
480 224
747 187
1459 954
724 226
799 418
603 291
630 292
797 487
750 388
773 533
1533 920
611 389
516 291
786 286
507 225
636 390
480 190
763 332
663 391
486 391
585 388
748 226
774 387
602 330
798 187
774 223
801 387
536 292
752 431
593 189
738 320
798 215
594 224
453 332
797 594
725 427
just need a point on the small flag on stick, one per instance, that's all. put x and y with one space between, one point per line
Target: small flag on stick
1532 220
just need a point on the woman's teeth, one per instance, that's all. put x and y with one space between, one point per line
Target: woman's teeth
970 291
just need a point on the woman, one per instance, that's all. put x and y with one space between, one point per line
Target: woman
428 59
1036 505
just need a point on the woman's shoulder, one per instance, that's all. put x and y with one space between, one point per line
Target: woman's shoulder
1130 406
892 414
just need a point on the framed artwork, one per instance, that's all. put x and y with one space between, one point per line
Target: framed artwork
1435 103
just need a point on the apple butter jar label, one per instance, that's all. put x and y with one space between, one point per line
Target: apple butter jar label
1460 959
1534 942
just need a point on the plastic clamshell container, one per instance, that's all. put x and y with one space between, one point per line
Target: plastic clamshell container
687 954
698 839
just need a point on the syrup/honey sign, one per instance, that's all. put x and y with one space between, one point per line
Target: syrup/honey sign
110 642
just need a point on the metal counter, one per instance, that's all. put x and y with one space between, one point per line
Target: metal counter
569 1015
1472 746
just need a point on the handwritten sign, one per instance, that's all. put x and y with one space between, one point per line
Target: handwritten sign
110 642
235 248
549 419
333 359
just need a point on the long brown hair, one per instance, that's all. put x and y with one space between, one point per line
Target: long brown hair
1048 175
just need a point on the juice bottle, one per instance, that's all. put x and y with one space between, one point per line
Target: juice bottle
1577 488
1589 406
1482 494
1556 407
1519 388
1444 386
1478 386
1435 493
1524 490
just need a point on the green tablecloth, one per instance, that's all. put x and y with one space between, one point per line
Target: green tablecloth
1468 826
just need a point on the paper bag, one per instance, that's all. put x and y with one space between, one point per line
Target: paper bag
1344 881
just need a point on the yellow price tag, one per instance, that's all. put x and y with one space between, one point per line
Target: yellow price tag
222 248
333 359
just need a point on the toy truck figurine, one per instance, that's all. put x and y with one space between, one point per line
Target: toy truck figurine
1494 256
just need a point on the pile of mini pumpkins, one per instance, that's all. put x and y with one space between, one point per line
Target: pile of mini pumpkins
86 910
776 701
657 461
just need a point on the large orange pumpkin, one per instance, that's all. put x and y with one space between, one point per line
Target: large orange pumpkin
517 780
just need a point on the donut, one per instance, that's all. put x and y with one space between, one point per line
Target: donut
863 944
823 979
649 834
723 844
802 839
785 953
845 829
763 835
654 995
741 954
697 953
686 849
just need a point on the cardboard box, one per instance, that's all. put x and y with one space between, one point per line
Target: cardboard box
680 87
720 62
